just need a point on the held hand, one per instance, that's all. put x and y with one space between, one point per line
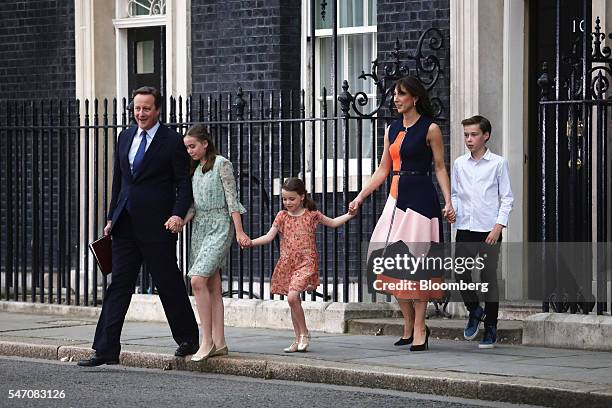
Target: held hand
107 229
493 236
243 239
174 224
449 213
354 205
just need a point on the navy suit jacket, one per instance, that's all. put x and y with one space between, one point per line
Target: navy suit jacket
161 189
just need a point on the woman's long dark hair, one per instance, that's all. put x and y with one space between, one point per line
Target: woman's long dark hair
296 185
415 88
200 132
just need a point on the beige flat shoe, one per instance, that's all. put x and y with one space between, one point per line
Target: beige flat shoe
304 342
292 348
203 355
220 352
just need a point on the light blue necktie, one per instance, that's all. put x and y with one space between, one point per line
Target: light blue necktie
140 153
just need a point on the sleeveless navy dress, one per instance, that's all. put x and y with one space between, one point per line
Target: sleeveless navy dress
411 222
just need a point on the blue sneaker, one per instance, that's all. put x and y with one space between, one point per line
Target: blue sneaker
489 339
471 329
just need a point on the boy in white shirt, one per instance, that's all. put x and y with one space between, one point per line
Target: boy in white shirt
482 198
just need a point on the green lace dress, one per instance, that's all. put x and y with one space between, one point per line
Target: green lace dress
214 200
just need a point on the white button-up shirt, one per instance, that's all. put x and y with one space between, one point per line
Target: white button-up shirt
480 192
136 143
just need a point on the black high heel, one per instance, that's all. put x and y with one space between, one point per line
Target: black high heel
424 346
403 342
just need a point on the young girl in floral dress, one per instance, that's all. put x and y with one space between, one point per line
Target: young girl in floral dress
297 269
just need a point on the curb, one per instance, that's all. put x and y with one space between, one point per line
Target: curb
481 387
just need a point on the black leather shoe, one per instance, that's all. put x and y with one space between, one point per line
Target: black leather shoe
424 346
186 349
97 360
403 342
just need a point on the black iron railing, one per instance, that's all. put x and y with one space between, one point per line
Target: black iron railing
56 166
573 144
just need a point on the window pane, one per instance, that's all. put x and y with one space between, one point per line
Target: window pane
326 69
359 59
354 134
325 59
366 130
320 23
138 10
145 52
372 12
327 139
146 7
351 13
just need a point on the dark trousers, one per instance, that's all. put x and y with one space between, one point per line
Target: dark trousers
160 260
472 244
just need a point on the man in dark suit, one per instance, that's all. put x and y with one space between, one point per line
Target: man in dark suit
151 195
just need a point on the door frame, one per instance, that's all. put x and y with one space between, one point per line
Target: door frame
177 21
121 36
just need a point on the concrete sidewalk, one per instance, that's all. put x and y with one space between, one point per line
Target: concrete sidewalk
510 373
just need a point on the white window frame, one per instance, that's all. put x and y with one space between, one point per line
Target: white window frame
366 162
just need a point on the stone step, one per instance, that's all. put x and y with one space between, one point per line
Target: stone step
518 310
508 310
508 331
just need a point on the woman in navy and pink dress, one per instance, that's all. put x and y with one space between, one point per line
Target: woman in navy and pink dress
411 220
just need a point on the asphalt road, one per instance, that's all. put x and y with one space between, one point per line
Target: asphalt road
118 386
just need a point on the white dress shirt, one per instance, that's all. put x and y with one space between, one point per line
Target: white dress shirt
480 192
136 143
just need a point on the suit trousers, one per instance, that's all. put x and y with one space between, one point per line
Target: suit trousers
471 244
160 262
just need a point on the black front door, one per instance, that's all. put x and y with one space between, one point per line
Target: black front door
566 122
146 58
556 29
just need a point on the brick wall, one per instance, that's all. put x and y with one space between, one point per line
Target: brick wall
254 44
37 48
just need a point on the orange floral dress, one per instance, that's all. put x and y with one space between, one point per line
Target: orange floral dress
298 266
